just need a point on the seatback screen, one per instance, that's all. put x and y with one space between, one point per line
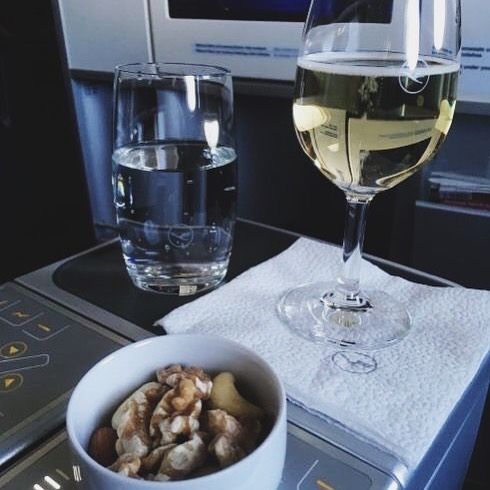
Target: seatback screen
281 10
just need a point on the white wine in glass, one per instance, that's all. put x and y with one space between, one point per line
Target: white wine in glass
374 99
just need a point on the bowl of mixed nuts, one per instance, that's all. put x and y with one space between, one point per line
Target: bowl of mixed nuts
179 412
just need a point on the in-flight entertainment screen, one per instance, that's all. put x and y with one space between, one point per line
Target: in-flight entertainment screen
281 10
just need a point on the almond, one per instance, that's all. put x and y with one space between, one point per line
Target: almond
102 446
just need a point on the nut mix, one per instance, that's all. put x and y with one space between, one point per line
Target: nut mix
184 425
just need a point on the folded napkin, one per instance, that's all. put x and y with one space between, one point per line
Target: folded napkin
401 405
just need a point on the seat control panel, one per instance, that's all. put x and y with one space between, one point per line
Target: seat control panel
44 350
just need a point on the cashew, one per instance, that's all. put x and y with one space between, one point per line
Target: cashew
225 396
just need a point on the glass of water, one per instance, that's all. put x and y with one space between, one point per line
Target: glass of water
174 174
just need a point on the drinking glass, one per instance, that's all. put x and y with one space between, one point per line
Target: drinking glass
174 174
374 100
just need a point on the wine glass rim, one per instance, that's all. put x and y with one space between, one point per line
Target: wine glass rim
173 70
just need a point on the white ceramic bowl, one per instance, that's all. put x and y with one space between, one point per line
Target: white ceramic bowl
114 378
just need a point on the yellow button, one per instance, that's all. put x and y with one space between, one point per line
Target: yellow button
20 315
44 327
10 382
323 485
13 349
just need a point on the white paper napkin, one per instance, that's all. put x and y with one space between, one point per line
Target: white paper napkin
401 405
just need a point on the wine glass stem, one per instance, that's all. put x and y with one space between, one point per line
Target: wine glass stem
348 283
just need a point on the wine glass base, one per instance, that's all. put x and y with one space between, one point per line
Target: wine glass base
377 321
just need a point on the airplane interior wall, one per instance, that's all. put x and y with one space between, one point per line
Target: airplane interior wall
43 198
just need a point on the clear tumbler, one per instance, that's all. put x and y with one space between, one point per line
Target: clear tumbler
174 174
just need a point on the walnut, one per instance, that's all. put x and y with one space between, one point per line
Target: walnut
226 449
128 465
152 462
162 411
185 424
131 420
205 470
166 428
219 421
186 394
233 439
172 376
163 374
177 413
150 423
251 431
183 459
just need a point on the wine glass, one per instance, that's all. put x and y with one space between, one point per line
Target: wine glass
374 99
